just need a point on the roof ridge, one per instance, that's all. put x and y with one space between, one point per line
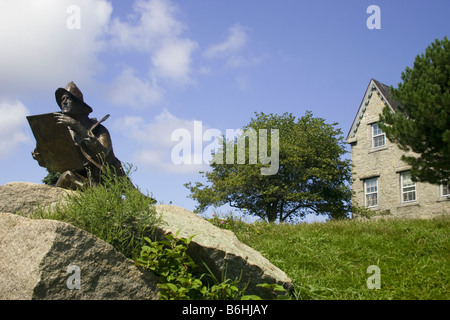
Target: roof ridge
387 93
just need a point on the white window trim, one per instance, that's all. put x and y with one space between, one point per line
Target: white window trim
372 127
402 187
441 188
366 194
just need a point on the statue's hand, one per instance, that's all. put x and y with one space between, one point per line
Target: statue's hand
37 156
65 120
90 142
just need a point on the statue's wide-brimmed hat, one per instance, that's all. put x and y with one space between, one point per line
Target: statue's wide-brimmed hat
72 90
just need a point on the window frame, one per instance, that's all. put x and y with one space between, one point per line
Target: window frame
378 135
403 187
366 194
445 184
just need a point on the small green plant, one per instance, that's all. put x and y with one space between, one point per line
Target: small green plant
227 222
367 213
168 259
115 211
278 291
51 178
226 289
179 275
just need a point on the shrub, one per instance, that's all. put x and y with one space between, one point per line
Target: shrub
178 273
115 211
51 178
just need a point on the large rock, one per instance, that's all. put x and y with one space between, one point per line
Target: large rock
220 249
217 247
25 197
38 258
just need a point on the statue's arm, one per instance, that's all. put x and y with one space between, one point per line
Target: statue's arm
96 144
99 144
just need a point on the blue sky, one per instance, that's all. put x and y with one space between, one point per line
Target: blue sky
158 65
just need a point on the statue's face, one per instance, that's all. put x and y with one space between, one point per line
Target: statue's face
69 106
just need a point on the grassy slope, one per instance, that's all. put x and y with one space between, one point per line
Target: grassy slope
330 260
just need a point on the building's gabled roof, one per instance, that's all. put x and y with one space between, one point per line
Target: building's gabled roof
384 92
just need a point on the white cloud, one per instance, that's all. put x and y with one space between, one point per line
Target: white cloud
39 50
234 49
129 90
151 22
154 30
236 40
155 145
173 60
12 122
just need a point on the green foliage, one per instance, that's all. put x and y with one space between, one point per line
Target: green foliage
422 122
312 177
225 289
228 222
179 275
367 213
51 178
168 259
278 291
116 212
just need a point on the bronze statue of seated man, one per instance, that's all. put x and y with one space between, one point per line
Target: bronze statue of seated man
89 136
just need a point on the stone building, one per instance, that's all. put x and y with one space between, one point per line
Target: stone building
381 180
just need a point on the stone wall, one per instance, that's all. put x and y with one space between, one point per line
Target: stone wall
385 163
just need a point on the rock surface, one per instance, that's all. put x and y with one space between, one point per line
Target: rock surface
24 197
35 254
37 259
220 248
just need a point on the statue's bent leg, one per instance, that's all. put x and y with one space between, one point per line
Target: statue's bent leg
71 180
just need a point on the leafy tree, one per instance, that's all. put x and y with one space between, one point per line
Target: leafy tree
422 122
311 178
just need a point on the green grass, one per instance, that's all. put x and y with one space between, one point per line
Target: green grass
324 260
330 260
115 211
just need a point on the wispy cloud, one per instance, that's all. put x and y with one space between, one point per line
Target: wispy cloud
154 144
38 50
236 40
127 89
42 51
154 31
12 126
173 60
151 22
234 52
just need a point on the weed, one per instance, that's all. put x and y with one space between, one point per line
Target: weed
115 211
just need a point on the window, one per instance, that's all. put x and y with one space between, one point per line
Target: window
371 192
445 189
378 136
408 187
